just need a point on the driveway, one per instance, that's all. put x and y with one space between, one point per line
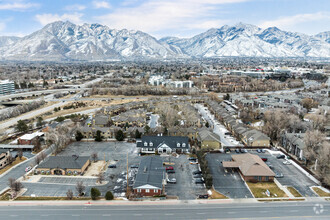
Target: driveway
228 183
218 128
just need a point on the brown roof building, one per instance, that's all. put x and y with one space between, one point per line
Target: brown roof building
251 167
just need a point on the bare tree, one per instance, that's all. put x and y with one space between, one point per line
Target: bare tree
80 188
20 154
16 187
43 155
313 141
100 177
37 159
11 182
69 194
94 156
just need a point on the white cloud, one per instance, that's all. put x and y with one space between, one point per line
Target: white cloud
75 7
291 21
17 5
48 18
101 4
2 26
169 15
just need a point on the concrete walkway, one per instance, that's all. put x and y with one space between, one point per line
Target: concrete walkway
283 188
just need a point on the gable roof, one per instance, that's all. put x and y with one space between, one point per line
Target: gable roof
151 172
249 165
64 162
170 141
206 135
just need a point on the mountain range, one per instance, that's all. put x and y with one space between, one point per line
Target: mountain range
65 41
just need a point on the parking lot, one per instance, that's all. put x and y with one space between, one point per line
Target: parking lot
228 183
231 184
68 180
113 152
185 187
292 176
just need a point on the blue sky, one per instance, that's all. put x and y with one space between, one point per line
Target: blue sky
182 18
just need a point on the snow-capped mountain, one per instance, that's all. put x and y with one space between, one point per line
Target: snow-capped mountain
60 41
65 41
8 40
324 36
251 41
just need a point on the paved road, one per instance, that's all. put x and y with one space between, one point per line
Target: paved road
217 127
18 171
284 210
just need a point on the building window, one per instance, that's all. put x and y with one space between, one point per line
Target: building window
138 190
147 190
151 144
145 144
183 145
156 190
150 149
256 178
267 178
178 144
260 178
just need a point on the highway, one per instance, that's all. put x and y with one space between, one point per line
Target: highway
110 210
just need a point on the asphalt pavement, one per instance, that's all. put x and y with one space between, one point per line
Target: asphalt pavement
284 210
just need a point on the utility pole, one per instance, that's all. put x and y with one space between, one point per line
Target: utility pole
127 175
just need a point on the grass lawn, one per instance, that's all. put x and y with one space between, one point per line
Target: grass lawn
217 195
259 190
17 161
50 198
294 192
320 192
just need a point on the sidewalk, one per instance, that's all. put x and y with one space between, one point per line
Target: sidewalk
284 189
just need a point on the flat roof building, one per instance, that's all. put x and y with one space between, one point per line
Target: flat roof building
7 87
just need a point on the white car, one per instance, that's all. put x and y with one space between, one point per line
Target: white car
28 169
286 162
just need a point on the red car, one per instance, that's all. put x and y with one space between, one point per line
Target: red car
169 168
264 159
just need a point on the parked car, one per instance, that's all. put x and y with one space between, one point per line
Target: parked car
194 162
258 150
204 196
269 165
28 169
237 151
198 176
281 156
169 168
264 159
243 150
227 150
263 151
112 166
134 166
172 180
199 181
192 158
279 175
170 171
197 172
287 162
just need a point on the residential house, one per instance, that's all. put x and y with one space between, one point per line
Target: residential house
255 138
294 144
251 167
208 140
150 178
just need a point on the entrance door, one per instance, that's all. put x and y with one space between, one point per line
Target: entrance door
58 172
